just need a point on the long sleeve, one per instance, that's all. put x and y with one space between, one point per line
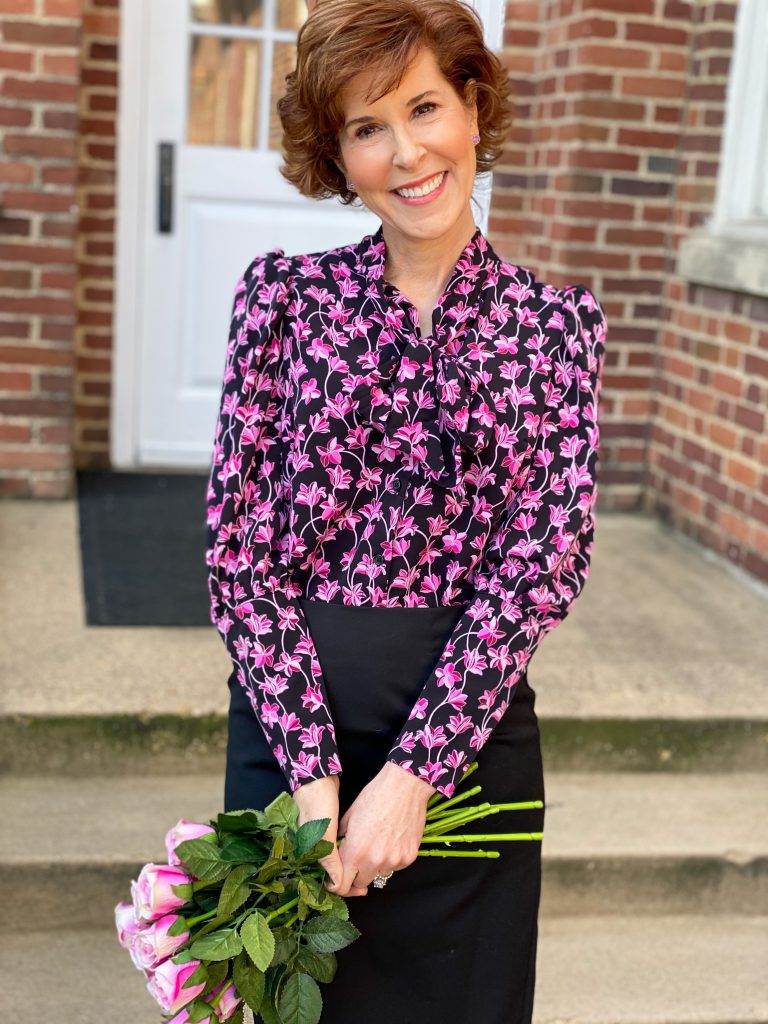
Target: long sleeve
536 562
253 601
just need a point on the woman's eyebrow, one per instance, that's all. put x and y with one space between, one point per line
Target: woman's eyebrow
369 117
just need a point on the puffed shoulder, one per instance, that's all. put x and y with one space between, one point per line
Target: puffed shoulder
262 290
585 322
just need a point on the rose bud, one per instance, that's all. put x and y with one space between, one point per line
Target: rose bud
227 1005
153 944
180 833
166 985
159 889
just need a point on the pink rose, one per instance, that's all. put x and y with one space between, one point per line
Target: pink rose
125 922
227 1005
127 929
166 984
180 833
159 889
153 944
183 1016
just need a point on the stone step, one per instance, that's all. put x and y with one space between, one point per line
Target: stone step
153 744
608 969
614 843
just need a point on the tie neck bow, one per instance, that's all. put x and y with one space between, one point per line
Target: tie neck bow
425 397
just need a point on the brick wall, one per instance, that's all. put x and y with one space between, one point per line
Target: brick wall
707 466
613 161
39 65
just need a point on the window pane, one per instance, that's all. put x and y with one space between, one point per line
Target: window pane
228 12
291 13
283 61
223 91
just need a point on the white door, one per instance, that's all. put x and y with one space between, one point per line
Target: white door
200 195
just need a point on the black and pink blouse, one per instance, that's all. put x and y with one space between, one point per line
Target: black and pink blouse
358 462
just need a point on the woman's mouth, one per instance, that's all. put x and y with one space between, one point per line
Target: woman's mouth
424 193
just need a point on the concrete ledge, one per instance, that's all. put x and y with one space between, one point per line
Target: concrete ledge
590 970
620 843
114 745
736 263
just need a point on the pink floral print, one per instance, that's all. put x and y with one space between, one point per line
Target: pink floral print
359 461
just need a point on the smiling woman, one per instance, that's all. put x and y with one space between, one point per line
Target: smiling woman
400 508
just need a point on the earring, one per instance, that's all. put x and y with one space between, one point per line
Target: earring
351 186
475 138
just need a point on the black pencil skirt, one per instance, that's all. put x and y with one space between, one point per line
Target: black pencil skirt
446 939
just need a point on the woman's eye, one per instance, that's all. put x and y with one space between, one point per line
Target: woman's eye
359 134
368 129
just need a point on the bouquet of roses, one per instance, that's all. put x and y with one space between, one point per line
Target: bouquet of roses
240 916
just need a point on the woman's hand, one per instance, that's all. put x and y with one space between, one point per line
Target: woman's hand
383 828
320 799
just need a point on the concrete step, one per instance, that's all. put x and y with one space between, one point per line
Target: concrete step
613 843
153 744
589 970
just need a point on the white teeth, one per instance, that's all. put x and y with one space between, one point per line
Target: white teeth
422 190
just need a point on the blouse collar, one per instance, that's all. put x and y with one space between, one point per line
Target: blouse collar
475 260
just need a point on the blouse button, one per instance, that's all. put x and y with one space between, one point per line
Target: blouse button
397 484
378 559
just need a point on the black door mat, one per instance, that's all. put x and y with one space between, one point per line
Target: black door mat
142 544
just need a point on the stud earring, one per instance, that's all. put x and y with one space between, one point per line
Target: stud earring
475 138
351 186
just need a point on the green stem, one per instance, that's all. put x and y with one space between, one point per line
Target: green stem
446 806
458 818
200 917
437 797
481 837
459 853
282 909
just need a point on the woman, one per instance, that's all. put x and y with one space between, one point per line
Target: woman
400 506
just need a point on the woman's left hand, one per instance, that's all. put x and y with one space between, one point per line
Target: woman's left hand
383 827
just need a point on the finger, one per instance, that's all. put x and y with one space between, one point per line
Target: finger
350 869
334 869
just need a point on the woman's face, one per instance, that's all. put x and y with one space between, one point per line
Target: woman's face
420 132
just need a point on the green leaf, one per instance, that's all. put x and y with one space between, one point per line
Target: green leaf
199 974
237 1015
246 820
268 1010
300 1000
235 890
217 972
258 939
326 933
220 945
339 907
238 850
270 869
314 894
199 1011
203 859
321 849
249 981
322 966
283 810
286 944
311 832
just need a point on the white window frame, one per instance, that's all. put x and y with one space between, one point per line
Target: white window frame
742 190
731 250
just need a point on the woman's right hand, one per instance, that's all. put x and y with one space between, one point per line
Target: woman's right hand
319 798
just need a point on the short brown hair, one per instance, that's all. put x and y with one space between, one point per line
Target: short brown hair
344 37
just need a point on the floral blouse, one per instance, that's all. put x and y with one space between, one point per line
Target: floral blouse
358 462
